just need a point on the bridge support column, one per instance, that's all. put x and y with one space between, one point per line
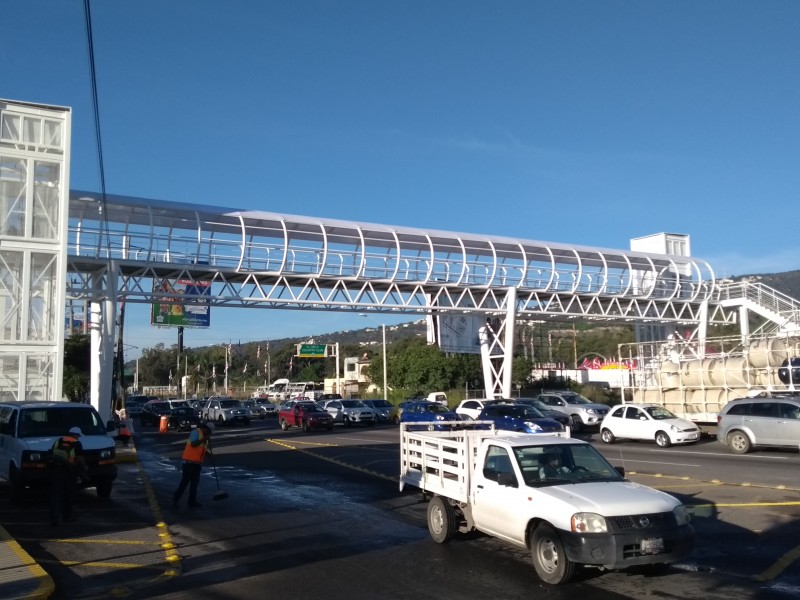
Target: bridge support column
497 349
103 316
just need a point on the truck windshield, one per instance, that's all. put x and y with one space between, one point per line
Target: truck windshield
47 422
564 463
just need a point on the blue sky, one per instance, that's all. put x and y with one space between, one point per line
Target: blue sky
586 122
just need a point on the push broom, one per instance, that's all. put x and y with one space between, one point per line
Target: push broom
219 494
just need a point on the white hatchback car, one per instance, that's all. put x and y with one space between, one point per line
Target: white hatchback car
647 422
472 408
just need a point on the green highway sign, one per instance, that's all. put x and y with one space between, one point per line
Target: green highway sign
312 350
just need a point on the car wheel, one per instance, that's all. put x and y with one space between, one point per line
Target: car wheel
549 558
577 424
662 439
104 489
220 421
738 442
607 436
442 524
306 427
431 427
329 428
396 421
346 421
284 424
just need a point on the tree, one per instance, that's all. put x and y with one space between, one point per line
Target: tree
77 367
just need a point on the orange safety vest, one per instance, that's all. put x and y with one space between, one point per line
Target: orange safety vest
195 454
63 450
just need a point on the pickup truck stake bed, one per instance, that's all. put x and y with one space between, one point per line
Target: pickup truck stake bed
511 486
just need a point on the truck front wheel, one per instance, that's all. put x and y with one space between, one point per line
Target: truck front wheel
284 424
549 558
442 523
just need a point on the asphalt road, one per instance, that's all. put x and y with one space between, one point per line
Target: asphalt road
320 516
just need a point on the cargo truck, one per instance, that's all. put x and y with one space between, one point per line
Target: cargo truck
556 496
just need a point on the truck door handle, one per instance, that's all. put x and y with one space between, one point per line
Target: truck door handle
480 487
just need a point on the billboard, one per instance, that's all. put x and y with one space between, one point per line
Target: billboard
459 333
180 303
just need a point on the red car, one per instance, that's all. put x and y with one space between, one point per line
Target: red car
306 415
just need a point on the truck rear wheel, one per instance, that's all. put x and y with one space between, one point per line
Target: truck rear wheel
442 523
549 557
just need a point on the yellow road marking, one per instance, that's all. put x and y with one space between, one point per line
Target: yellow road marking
90 541
331 460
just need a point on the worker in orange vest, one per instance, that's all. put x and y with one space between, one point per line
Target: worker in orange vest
193 454
66 465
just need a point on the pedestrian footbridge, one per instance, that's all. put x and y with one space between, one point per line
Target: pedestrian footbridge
58 244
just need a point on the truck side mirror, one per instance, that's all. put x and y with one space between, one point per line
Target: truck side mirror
620 470
507 479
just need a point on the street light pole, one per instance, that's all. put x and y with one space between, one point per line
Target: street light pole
385 380
385 389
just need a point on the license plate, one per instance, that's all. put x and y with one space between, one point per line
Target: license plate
652 545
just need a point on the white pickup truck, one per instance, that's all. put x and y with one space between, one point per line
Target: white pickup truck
557 496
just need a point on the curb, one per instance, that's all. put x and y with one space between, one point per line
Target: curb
24 573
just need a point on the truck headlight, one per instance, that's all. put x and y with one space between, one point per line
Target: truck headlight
682 515
588 523
533 426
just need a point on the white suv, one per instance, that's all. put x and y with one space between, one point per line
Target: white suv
28 431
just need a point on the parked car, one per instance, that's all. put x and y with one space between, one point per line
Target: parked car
155 409
518 417
472 408
328 396
789 371
647 422
350 412
430 415
270 409
225 410
183 418
397 411
583 411
748 423
548 412
254 409
134 404
382 409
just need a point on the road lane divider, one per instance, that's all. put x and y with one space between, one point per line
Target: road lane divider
284 444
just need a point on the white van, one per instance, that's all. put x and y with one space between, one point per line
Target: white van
28 431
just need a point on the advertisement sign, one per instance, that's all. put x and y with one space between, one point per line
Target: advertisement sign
459 333
181 304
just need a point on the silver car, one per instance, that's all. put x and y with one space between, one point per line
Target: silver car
583 411
350 412
747 423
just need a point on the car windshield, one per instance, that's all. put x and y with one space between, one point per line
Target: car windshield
46 422
576 399
352 403
580 463
380 403
659 413
229 404
312 408
435 407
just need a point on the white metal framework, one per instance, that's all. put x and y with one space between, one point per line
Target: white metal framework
270 260
34 179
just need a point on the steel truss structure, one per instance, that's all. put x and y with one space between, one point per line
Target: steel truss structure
267 260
